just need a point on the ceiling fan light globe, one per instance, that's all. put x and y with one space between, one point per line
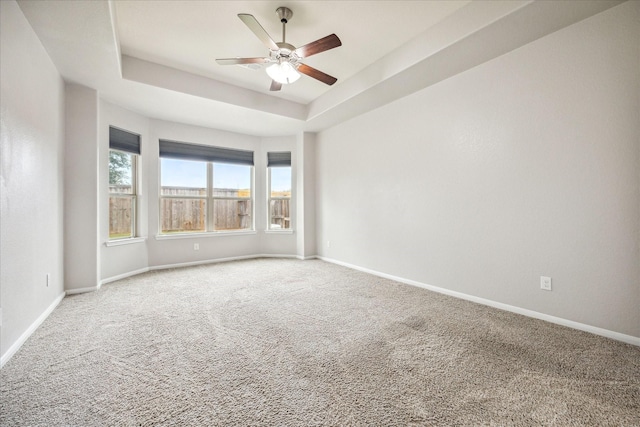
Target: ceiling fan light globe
283 72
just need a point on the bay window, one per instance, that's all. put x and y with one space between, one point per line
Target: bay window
205 188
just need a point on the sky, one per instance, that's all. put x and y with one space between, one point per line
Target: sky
186 173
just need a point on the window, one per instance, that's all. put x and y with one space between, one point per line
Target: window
183 196
232 197
279 187
124 148
204 188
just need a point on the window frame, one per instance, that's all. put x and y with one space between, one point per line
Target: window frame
133 196
209 199
269 228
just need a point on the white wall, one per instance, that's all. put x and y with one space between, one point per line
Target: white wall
306 195
31 183
527 165
170 251
154 251
81 247
122 260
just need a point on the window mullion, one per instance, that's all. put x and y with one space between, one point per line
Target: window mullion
134 199
269 220
210 221
252 198
134 216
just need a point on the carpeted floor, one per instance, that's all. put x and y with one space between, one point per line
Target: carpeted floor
276 342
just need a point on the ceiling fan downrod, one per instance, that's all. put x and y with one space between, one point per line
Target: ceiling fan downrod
284 14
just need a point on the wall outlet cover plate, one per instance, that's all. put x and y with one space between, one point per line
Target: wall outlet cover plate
545 283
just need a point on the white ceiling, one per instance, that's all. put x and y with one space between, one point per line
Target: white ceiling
189 35
157 58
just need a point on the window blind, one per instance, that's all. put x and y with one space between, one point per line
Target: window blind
124 141
282 158
186 151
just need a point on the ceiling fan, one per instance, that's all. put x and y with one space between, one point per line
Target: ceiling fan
285 59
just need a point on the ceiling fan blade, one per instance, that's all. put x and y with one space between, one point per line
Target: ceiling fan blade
275 86
239 61
317 74
257 29
318 46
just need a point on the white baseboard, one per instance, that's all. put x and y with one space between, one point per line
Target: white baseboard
236 258
26 334
183 264
215 261
122 276
83 290
300 257
518 310
277 256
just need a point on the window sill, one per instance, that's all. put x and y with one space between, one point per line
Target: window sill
201 235
278 231
121 242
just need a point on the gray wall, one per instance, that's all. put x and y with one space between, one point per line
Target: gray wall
32 182
527 165
81 256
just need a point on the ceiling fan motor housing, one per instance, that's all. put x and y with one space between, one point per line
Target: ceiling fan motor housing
286 50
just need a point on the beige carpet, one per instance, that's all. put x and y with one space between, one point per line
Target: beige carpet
300 343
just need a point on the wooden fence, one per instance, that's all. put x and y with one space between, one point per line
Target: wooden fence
280 216
120 210
184 214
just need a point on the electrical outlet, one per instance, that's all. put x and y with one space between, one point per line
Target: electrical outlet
48 279
196 246
545 283
328 243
